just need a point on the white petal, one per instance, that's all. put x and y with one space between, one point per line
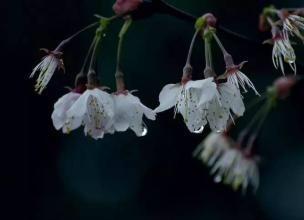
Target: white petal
193 114
71 124
218 115
207 89
61 107
121 119
232 97
139 129
168 97
99 121
149 113
198 84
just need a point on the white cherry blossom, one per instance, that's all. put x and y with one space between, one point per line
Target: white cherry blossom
59 115
236 169
229 164
129 112
211 148
187 97
95 110
219 109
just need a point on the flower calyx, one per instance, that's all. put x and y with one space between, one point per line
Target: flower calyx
207 20
187 74
57 54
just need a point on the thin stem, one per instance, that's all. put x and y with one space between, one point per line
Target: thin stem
256 101
164 7
120 85
257 116
237 35
118 59
262 120
121 35
64 42
208 53
258 128
224 51
191 47
271 22
93 57
88 54
114 17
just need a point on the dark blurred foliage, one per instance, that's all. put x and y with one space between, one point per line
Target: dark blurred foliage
48 175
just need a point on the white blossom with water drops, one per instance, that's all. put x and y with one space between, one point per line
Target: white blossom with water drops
46 69
219 109
129 112
95 110
187 98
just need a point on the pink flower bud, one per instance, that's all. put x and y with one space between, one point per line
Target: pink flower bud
283 85
210 19
124 6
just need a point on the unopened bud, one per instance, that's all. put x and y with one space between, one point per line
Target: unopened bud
283 86
125 6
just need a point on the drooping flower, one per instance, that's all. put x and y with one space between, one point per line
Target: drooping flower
211 148
187 96
229 163
129 113
95 110
124 6
293 25
282 50
219 109
59 115
236 169
46 69
235 76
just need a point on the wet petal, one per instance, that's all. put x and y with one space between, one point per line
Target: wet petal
218 115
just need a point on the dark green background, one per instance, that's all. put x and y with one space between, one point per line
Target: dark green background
53 176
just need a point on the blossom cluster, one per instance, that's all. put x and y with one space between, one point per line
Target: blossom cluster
211 99
284 24
100 113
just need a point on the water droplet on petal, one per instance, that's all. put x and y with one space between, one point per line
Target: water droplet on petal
144 132
199 130
218 179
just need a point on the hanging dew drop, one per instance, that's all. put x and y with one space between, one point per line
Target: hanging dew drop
199 130
218 179
144 132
